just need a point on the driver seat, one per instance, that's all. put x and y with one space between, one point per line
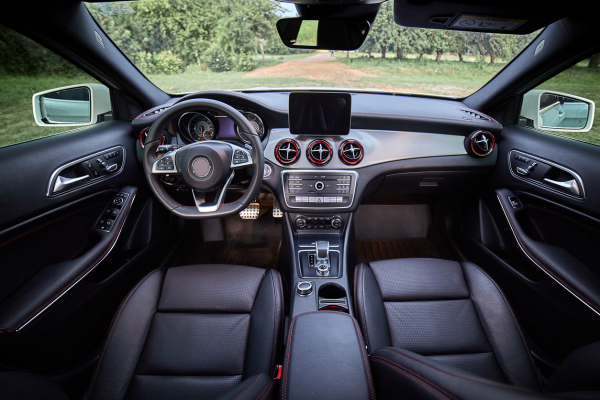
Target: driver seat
194 332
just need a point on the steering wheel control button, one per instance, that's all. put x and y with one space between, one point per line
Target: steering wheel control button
201 167
165 164
240 157
319 185
304 288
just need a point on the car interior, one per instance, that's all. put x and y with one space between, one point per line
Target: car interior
304 243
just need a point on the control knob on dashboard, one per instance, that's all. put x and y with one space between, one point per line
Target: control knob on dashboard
337 222
301 222
304 288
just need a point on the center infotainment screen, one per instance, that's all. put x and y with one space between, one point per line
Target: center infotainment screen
320 113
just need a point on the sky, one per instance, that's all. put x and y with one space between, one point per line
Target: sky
290 9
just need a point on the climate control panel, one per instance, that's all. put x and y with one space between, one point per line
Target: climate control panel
318 222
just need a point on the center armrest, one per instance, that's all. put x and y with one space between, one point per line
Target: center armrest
325 358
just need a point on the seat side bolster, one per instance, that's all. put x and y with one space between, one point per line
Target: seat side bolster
266 320
257 387
370 309
401 371
501 328
126 339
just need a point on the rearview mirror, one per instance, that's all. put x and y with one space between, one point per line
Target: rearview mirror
323 34
555 111
75 105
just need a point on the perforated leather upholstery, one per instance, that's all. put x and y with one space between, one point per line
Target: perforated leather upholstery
194 332
449 312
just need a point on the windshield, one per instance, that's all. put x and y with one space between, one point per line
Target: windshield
191 45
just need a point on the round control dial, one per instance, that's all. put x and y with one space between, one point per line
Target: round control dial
337 222
301 222
304 288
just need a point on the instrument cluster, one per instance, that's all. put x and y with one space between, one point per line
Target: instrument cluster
208 125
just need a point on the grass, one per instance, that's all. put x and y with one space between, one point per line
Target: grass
16 114
448 77
583 82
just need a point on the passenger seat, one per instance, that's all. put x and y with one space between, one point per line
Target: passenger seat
443 329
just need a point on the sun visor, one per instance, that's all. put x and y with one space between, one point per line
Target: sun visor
522 17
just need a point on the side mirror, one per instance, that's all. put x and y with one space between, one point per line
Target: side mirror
76 105
323 34
555 111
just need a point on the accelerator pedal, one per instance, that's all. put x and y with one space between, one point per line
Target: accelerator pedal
277 213
252 211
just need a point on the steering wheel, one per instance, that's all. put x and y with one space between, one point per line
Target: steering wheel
204 167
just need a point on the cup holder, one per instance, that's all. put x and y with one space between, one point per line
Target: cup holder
333 297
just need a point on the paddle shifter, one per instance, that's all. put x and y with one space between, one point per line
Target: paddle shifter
322 257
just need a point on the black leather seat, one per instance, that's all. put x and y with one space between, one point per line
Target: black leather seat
194 332
443 329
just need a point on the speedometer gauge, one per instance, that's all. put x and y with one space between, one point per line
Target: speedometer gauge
256 123
201 128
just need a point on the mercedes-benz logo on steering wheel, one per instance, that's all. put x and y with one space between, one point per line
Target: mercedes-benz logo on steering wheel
201 167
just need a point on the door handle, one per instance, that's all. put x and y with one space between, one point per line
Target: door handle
63 183
570 186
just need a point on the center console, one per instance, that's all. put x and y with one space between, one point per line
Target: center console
323 189
326 359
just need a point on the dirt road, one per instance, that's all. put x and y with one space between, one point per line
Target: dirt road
317 67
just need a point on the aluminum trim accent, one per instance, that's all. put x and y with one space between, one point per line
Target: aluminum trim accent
379 146
88 272
320 171
541 184
313 233
340 272
539 266
173 153
54 176
219 202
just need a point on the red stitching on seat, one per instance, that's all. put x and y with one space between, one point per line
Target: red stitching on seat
248 387
419 379
467 378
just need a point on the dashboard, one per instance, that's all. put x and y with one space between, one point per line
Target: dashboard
384 144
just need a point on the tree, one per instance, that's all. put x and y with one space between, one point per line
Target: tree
383 32
439 43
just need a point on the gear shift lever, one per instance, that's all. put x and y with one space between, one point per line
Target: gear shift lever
322 257
322 249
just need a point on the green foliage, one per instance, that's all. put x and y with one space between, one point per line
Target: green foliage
217 60
245 62
20 56
164 62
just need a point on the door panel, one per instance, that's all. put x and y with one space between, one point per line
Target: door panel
26 169
540 240
66 268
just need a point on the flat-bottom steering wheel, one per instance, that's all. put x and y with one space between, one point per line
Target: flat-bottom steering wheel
204 167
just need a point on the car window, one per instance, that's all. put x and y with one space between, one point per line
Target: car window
189 45
27 68
565 104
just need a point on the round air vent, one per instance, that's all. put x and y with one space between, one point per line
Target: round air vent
351 152
480 143
319 152
287 151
